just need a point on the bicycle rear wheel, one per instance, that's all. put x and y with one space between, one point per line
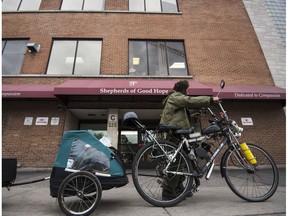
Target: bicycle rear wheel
149 176
255 184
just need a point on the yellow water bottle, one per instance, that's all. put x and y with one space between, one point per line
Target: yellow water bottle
248 154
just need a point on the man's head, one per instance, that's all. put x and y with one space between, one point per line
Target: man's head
181 86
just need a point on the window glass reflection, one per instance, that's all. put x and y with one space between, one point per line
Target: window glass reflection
136 5
29 5
153 5
13 56
72 5
176 59
75 57
88 58
129 137
157 59
62 57
169 6
10 5
94 5
138 58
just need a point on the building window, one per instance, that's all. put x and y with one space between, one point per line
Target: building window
153 5
13 53
129 145
157 58
82 5
99 130
20 5
75 57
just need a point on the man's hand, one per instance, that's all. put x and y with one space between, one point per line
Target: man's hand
216 99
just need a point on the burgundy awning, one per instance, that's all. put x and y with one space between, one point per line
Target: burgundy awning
27 91
137 87
126 87
251 92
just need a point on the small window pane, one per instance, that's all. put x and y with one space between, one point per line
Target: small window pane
88 58
10 5
137 58
72 5
94 5
129 137
176 59
13 56
98 130
169 6
30 5
136 5
62 57
153 5
157 59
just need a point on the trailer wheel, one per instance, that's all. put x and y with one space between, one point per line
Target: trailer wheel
79 194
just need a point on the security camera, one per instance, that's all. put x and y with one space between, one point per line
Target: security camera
33 47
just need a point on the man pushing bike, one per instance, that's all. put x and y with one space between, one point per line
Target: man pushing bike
176 113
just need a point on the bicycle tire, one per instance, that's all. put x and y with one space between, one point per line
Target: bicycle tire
253 186
148 176
79 194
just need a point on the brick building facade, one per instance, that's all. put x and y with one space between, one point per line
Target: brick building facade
219 43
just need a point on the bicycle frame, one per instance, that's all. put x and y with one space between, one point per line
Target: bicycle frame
209 166
171 158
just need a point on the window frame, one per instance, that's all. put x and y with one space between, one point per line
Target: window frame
75 57
82 7
152 11
148 73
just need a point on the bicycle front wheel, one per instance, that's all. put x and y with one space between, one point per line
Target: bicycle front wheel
150 177
255 184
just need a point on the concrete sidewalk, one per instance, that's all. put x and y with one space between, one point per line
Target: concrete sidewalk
214 198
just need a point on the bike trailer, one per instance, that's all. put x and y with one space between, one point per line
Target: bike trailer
81 151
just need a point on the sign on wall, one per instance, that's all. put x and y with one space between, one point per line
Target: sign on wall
41 121
112 120
28 120
54 121
247 121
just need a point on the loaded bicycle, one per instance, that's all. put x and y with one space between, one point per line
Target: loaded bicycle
249 170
